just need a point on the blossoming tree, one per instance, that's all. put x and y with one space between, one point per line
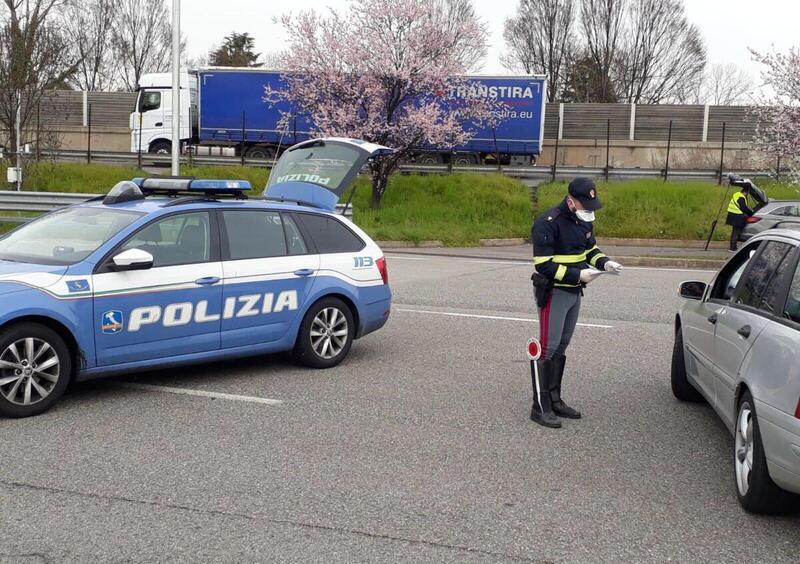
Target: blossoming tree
779 115
381 71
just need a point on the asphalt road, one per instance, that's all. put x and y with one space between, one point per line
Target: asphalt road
417 448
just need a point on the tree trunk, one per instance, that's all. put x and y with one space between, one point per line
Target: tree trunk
379 181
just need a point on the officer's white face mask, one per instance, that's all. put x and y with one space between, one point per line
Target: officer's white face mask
583 215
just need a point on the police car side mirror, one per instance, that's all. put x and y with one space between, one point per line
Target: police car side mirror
132 259
692 290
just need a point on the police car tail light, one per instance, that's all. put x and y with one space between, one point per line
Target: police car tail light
753 219
383 269
797 410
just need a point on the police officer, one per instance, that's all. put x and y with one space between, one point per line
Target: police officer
566 259
738 212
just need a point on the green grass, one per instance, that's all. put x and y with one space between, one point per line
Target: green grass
657 210
458 209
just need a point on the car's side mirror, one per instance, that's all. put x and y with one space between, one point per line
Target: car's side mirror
692 290
132 259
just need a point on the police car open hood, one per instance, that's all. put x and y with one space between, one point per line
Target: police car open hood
319 171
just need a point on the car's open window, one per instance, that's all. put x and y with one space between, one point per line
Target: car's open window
791 310
730 275
765 271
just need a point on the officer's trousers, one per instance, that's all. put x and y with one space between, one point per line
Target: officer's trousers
557 320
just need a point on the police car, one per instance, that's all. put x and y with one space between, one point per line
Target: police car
169 271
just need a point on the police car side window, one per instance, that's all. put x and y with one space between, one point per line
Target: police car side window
329 235
254 234
760 276
175 240
791 310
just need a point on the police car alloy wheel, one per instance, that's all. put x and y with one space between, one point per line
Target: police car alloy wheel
35 369
326 334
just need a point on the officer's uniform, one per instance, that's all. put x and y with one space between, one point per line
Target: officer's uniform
563 245
738 212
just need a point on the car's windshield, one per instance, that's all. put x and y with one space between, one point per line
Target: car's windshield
65 236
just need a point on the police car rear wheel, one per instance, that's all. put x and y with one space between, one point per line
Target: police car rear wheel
326 334
35 369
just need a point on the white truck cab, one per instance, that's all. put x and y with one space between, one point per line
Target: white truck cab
151 121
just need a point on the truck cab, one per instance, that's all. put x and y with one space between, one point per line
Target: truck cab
151 120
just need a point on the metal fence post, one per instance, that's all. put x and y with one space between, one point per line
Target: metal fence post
89 138
555 155
244 133
608 147
778 169
722 153
669 144
38 130
139 152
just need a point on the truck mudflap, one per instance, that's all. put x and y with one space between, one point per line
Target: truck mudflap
319 171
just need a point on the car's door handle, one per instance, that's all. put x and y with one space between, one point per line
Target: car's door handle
159 123
744 331
207 281
713 319
304 272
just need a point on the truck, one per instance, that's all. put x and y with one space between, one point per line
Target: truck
223 112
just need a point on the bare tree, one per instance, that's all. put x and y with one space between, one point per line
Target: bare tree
661 57
726 85
540 40
34 57
142 39
272 60
451 15
89 24
602 24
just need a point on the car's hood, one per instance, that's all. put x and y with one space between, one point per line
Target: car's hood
15 275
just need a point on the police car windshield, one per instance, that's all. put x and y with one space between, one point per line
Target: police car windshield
65 236
326 165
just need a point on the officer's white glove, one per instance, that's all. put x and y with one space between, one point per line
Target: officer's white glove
613 267
589 274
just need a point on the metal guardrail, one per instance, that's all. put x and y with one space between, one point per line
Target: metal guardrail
532 173
43 202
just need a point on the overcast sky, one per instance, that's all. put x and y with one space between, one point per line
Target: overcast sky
729 26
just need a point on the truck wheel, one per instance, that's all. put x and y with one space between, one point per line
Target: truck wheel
755 489
681 387
35 369
259 152
326 334
430 159
464 159
161 148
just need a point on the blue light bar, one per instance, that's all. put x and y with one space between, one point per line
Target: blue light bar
193 185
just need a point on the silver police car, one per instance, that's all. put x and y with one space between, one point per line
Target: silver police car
737 345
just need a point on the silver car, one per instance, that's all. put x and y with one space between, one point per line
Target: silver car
775 215
737 345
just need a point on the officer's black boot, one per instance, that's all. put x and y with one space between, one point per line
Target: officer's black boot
542 410
559 407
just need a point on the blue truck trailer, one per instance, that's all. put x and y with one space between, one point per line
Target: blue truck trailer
228 115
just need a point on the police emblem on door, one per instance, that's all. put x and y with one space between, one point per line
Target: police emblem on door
112 322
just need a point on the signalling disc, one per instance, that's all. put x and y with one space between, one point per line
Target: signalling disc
534 349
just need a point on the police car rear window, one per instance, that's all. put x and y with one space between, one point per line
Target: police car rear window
330 235
65 236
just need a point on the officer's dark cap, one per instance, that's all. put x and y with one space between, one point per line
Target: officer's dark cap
583 190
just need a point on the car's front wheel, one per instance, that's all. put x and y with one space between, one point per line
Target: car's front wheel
326 334
35 369
681 387
756 491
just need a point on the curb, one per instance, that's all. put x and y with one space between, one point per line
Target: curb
653 262
601 241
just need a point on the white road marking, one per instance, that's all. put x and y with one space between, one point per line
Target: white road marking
200 393
492 317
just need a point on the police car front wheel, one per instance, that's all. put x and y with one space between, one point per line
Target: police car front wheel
326 334
35 367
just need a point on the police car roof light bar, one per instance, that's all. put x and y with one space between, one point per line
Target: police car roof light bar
174 185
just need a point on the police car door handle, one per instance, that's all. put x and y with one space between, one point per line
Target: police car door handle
713 319
745 331
304 272
207 281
